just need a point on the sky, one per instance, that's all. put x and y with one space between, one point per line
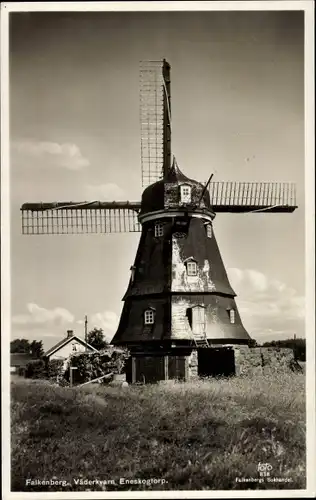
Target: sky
237 94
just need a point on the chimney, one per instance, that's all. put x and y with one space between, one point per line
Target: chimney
70 333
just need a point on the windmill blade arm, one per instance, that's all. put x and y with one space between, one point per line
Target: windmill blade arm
92 205
80 217
247 197
155 120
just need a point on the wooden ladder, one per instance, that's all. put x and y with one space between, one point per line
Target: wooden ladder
201 342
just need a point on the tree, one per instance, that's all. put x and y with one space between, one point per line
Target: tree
34 348
253 343
20 345
96 339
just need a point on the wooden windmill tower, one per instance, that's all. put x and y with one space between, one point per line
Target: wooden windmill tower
179 315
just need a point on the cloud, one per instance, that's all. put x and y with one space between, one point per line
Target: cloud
105 192
54 322
267 306
106 320
39 316
51 325
66 155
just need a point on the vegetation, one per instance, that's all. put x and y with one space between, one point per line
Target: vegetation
91 366
198 435
96 338
298 346
34 348
55 369
35 369
253 343
43 369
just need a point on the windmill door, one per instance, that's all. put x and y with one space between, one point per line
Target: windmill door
198 321
177 367
145 369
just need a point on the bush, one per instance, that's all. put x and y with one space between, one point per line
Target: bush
94 365
43 369
36 369
89 366
55 369
21 371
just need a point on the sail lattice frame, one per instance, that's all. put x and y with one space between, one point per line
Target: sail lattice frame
80 218
253 196
155 120
122 217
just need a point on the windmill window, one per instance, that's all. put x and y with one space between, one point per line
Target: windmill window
133 269
185 192
158 229
191 268
209 230
149 317
232 316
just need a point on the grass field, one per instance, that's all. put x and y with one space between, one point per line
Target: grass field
192 436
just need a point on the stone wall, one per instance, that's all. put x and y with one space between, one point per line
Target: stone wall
263 360
193 365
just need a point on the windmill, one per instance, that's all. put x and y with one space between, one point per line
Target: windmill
179 316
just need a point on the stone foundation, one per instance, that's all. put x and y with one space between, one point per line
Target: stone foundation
263 360
193 365
240 360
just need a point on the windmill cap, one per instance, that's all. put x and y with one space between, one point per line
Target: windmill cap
165 194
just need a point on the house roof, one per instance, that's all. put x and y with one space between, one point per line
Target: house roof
21 358
65 341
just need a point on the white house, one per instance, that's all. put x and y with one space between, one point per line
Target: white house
69 346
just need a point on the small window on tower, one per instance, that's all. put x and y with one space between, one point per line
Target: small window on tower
185 192
191 268
232 315
209 230
149 317
133 269
158 229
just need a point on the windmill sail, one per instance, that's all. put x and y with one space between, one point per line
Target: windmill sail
155 120
122 217
80 218
253 196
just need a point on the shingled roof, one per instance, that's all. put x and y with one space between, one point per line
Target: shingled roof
65 341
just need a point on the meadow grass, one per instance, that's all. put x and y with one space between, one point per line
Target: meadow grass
199 435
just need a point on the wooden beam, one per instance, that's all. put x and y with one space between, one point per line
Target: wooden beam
133 370
186 368
166 371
